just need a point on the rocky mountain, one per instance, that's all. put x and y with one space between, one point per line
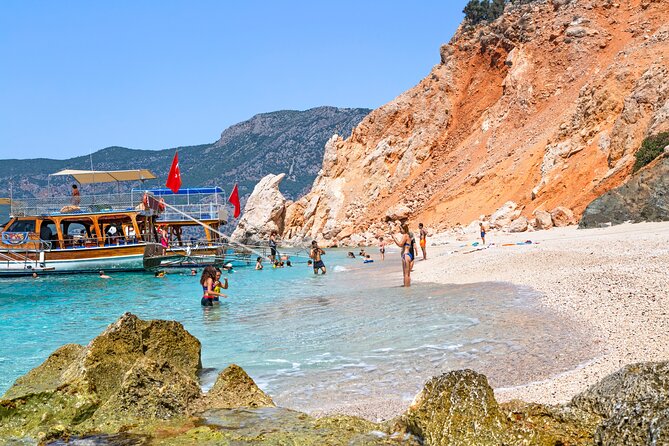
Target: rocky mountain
544 107
283 141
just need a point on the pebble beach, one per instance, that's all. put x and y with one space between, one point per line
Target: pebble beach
613 281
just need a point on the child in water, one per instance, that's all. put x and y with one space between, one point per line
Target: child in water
218 286
259 263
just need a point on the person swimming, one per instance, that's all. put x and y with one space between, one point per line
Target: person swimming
102 275
259 263
368 259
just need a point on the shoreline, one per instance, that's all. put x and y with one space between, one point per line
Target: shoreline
612 280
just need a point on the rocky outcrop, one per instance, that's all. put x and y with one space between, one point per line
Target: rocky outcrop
457 408
634 405
562 216
644 197
543 219
234 388
544 107
263 214
134 384
135 373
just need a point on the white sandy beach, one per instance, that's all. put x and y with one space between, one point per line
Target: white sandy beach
614 281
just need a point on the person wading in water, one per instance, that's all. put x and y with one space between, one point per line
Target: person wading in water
207 280
406 244
316 254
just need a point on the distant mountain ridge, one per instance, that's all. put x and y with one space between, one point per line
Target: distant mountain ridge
282 141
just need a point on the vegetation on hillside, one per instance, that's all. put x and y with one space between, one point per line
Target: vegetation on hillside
477 11
650 149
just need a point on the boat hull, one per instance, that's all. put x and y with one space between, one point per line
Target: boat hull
69 261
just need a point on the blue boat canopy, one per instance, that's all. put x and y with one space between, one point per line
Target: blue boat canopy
187 191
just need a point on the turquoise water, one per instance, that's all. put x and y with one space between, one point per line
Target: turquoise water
307 340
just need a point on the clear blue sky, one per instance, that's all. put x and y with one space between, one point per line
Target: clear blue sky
78 76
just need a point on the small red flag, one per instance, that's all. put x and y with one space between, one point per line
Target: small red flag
234 200
174 178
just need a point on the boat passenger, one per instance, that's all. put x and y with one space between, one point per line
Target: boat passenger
76 196
207 281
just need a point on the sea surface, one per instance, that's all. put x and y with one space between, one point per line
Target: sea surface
307 340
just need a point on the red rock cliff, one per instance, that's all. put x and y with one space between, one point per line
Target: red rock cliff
545 107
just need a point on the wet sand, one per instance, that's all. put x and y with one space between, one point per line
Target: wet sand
614 281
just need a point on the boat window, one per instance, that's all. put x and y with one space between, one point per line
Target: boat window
47 231
22 226
77 233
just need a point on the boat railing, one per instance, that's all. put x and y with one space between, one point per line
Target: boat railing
199 211
200 206
22 207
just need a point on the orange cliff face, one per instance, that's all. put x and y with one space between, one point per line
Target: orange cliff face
545 107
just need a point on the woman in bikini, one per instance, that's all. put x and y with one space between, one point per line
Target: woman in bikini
404 242
207 281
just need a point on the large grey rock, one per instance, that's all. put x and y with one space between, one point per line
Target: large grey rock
634 403
264 212
644 197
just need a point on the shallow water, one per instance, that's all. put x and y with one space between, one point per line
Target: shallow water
307 341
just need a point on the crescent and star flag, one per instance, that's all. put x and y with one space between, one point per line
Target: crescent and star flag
234 200
174 178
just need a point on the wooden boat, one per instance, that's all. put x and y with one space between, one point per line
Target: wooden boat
116 232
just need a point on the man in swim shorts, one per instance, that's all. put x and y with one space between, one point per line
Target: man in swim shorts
423 240
316 254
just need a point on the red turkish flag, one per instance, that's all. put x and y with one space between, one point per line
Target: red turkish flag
174 178
234 200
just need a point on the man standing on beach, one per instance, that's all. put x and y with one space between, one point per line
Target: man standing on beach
423 240
316 254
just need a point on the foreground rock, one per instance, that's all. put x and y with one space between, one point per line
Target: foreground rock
264 212
643 198
135 372
136 384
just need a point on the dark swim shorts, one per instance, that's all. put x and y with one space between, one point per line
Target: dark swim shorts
207 302
319 264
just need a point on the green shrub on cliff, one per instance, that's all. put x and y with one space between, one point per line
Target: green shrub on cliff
477 11
650 149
